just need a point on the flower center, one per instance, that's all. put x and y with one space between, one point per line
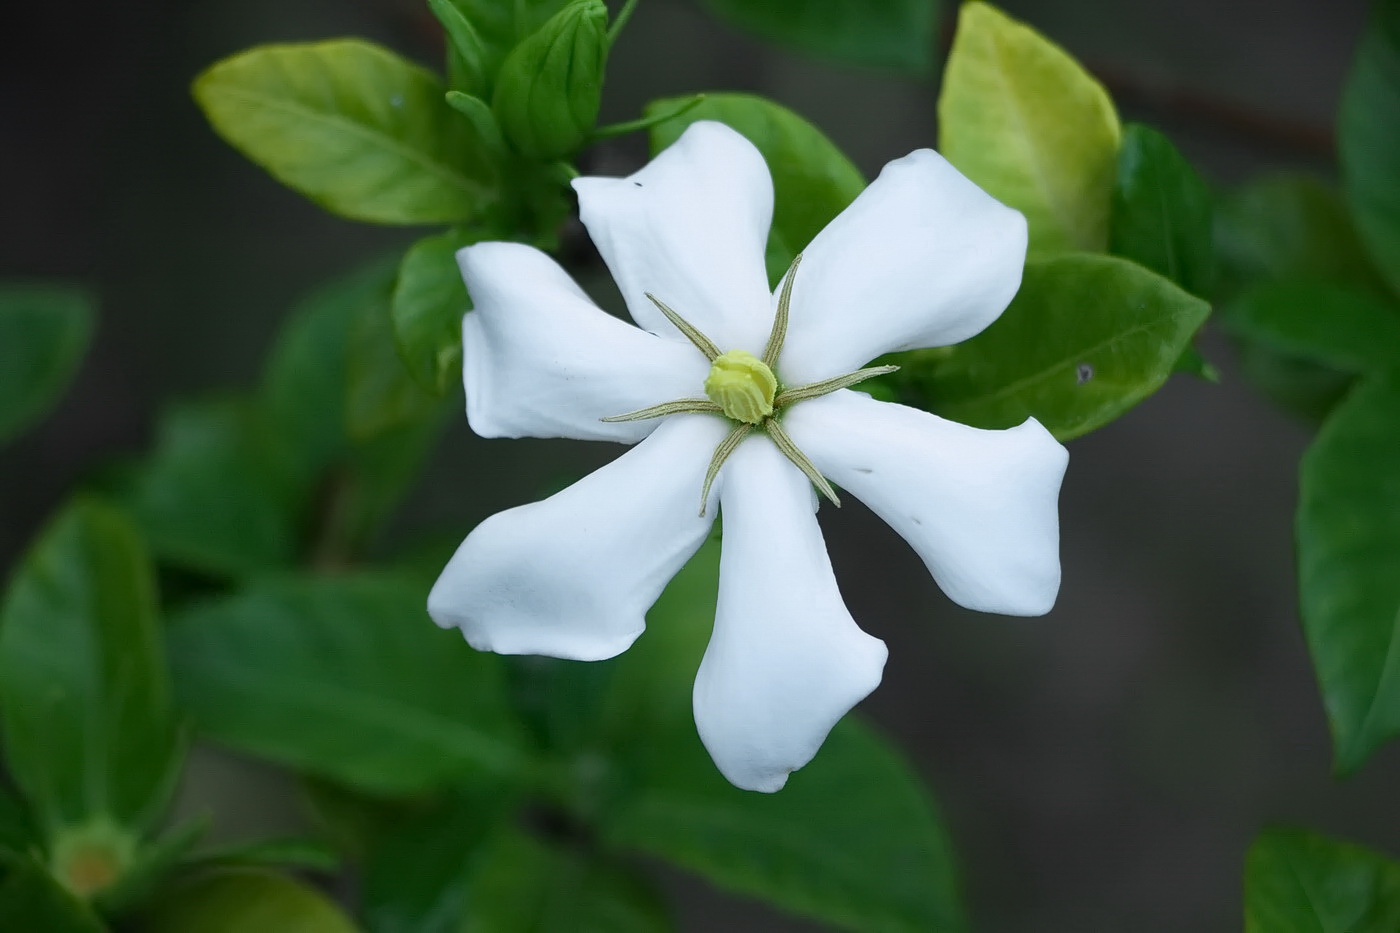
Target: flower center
742 386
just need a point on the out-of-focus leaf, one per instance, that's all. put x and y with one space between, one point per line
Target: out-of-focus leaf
1161 214
1301 387
244 900
429 301
89 730
524 884
894 34
880 860
44 330
32 900
383 395
813 181
1348 549
346 678
1368 139
1027 123
1313 319
1086 338
17 832
1300 882
354 127
282 852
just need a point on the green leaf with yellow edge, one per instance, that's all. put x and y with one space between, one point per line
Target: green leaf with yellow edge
44 331
1348 549
354 127
895 34
1368 139
89 730
1028 124
1296 881
1086 338
244 900
813 181
428 304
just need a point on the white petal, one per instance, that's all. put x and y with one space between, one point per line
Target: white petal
980 507
922 258
786 661
541 360
690 229
574 575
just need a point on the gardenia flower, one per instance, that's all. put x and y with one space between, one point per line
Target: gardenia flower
738 397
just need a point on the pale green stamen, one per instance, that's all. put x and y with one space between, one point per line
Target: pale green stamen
742 386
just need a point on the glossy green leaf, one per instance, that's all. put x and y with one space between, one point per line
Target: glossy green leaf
354 127
1027 123
89 731
1161 211
524 885
813 181
429 301
244 900
1368 139
1337 325
878 860
31 900
1348 549
346 678
44 330
1086 338
894 34
213 496
1300 882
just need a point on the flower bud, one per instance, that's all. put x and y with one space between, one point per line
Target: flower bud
548 89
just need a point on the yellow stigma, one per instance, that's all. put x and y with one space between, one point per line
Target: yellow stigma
742 385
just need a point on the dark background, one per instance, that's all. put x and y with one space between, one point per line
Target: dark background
1102 769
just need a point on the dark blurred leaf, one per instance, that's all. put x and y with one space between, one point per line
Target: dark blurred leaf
1301 387
215 495
283 852
895 34
1300 882
383 395
1086 338
17 830
359 130
1193 363
244 900
1336 325
31 900
853 839
524 885
429 302
346 678
1027 123
1368 139
813 181
1161 214
44 331
89 730
1348 551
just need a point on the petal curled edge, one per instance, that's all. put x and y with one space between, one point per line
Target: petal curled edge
573 576
541 360
980 507
690 228
922 258
786 661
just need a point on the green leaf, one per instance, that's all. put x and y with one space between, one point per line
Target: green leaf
382 394
89 732
813 181
1300 882
245 900
1313 319
352 126
31 899
1368 139
399 706
1085 339
214 495
500 27
894 34
1305 389
1285 225
429 302
1348 549
44 331
1161 211
17 832
880 860
1027 123
467 50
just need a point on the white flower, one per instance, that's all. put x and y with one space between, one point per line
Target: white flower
921 258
